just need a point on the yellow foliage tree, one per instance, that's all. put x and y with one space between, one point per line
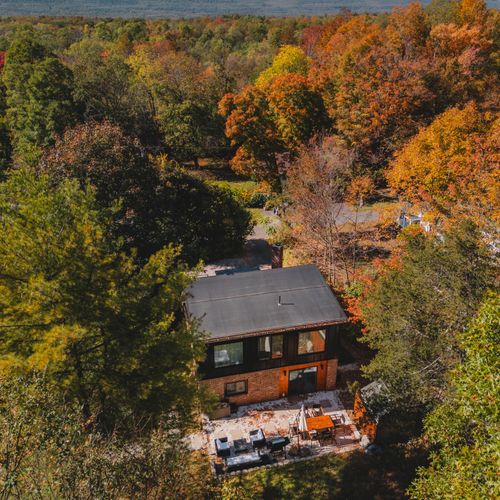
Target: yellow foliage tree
290 59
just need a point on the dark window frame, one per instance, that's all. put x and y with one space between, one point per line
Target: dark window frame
312 352
228 394
271 352
230 364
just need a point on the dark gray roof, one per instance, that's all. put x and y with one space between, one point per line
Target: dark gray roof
247 303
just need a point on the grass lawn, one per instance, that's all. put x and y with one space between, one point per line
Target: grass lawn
350 476
380 206
237 184
258 216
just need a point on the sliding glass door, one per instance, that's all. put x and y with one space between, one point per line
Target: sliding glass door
303 380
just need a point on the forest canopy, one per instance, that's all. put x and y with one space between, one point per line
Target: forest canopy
110 133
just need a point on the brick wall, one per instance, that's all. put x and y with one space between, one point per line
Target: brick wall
331 374
262 386
266 385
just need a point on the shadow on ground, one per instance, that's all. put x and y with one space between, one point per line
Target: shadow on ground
356 476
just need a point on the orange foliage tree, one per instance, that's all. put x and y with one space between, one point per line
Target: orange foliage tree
271 119
453 164
250 128
380 85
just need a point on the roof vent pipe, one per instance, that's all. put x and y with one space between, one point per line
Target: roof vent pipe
279 300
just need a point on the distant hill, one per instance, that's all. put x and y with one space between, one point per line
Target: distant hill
190 8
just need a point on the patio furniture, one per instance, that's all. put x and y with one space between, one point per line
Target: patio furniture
222 410
323 422
325 436
241 462
302 422
278 444
338 420
222 447
317 410
219 468
257 439
241 446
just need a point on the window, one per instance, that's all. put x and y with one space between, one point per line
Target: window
234 388
270 347
228 354
312 341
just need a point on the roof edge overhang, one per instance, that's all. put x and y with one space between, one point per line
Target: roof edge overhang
259 333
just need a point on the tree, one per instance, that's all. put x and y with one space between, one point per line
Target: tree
38 97
158 204
290 59
443 11
464 430
185 101
297 110
415 309
472 11
322 227
207 221
452 165
378 94
250 127
47 451
266 123
5 144
462 63
108 89
117 166
360 188
108 332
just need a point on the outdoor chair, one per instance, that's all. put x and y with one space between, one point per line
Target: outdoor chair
219 468
257 439
317 410
325 437
338 420
222 447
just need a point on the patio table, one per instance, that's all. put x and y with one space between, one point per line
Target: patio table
241 445
323 422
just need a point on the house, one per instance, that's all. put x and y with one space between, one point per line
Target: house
271 333
407 218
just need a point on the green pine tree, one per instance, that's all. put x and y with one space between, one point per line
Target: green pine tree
72 305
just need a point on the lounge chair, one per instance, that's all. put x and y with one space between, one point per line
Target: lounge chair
222 447
257 439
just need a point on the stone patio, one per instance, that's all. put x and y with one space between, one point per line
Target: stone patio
274 418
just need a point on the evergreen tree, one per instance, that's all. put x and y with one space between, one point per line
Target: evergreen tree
108 332
38 96
46 452
5 145
465 429
416 307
